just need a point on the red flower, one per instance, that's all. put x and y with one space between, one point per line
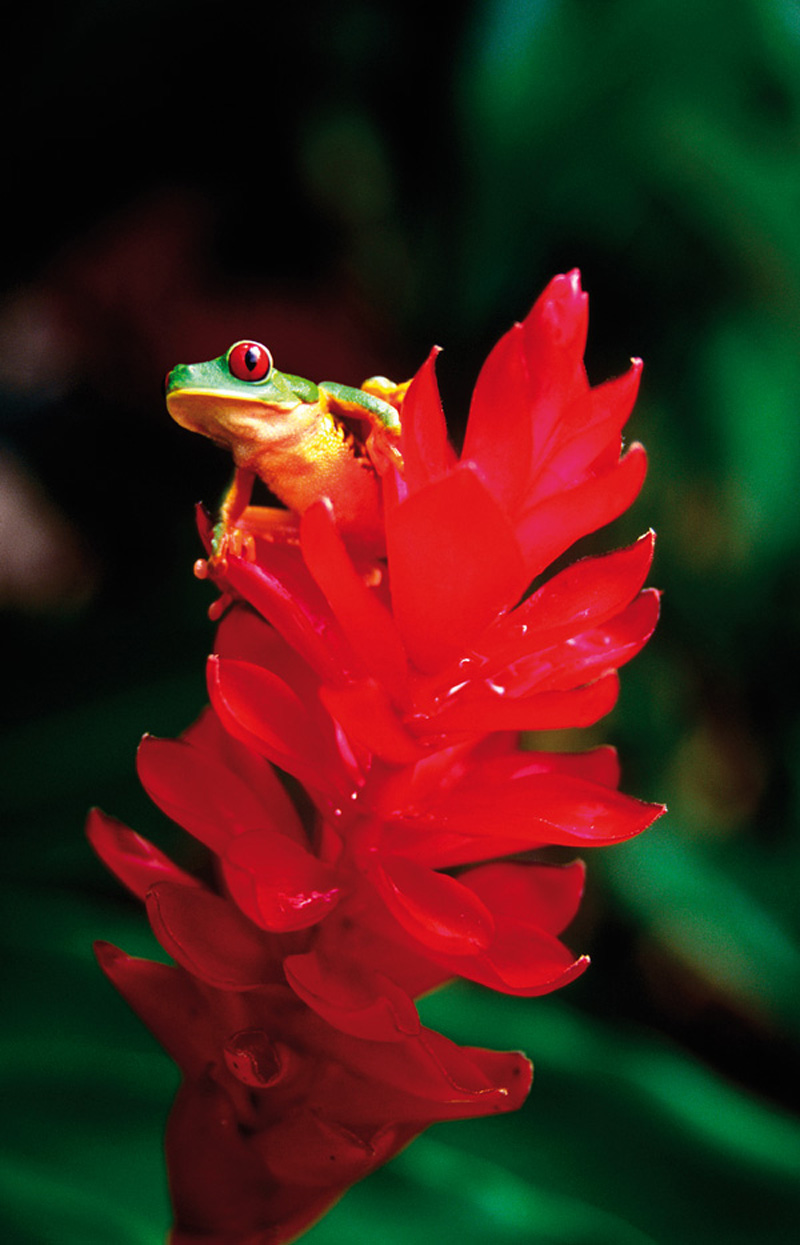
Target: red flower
392 694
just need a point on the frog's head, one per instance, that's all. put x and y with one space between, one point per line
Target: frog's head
240 400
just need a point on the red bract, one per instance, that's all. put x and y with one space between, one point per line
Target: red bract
383 833
391 696
280 1113
280 1110
540 468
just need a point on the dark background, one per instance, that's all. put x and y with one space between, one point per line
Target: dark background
351 182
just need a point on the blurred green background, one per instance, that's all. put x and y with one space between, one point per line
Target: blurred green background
351 182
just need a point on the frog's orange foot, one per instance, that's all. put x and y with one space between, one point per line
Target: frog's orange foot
231 542
205 568
217 608
228 543
387 390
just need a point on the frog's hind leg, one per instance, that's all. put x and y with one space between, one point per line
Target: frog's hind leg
359 405
369 418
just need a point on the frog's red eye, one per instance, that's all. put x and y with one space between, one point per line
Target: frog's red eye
249 361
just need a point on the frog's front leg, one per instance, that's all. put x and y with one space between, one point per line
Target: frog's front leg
234 503
228 538
239 522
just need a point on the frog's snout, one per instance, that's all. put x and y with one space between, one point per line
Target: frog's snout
180 376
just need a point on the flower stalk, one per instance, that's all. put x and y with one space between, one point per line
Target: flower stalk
391 689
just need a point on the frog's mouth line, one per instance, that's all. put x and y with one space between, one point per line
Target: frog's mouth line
198 410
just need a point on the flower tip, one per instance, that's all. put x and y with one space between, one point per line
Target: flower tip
578 867
426 370
102 830
562 310
107 955
94 816
635 462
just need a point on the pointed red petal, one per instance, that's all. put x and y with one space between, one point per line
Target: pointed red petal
433 907
591 429
427 453
310 1152
366 622
510 1071
484 707
493 1080
166 1000
598 765
200 794
263 712
543 808
134 860
210 739
454 565
445 849
353 999
210 938
429 1078
244 636
551 527
583 595
525 961
369 719
431 842
554 340
592 653
531 377
283 592
277 883
547 896
581 657
499 437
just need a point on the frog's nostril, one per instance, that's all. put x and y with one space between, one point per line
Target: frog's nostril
166 382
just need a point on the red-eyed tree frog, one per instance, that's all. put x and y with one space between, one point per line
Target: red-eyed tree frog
304 440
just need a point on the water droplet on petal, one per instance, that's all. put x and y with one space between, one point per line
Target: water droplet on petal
253 1058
